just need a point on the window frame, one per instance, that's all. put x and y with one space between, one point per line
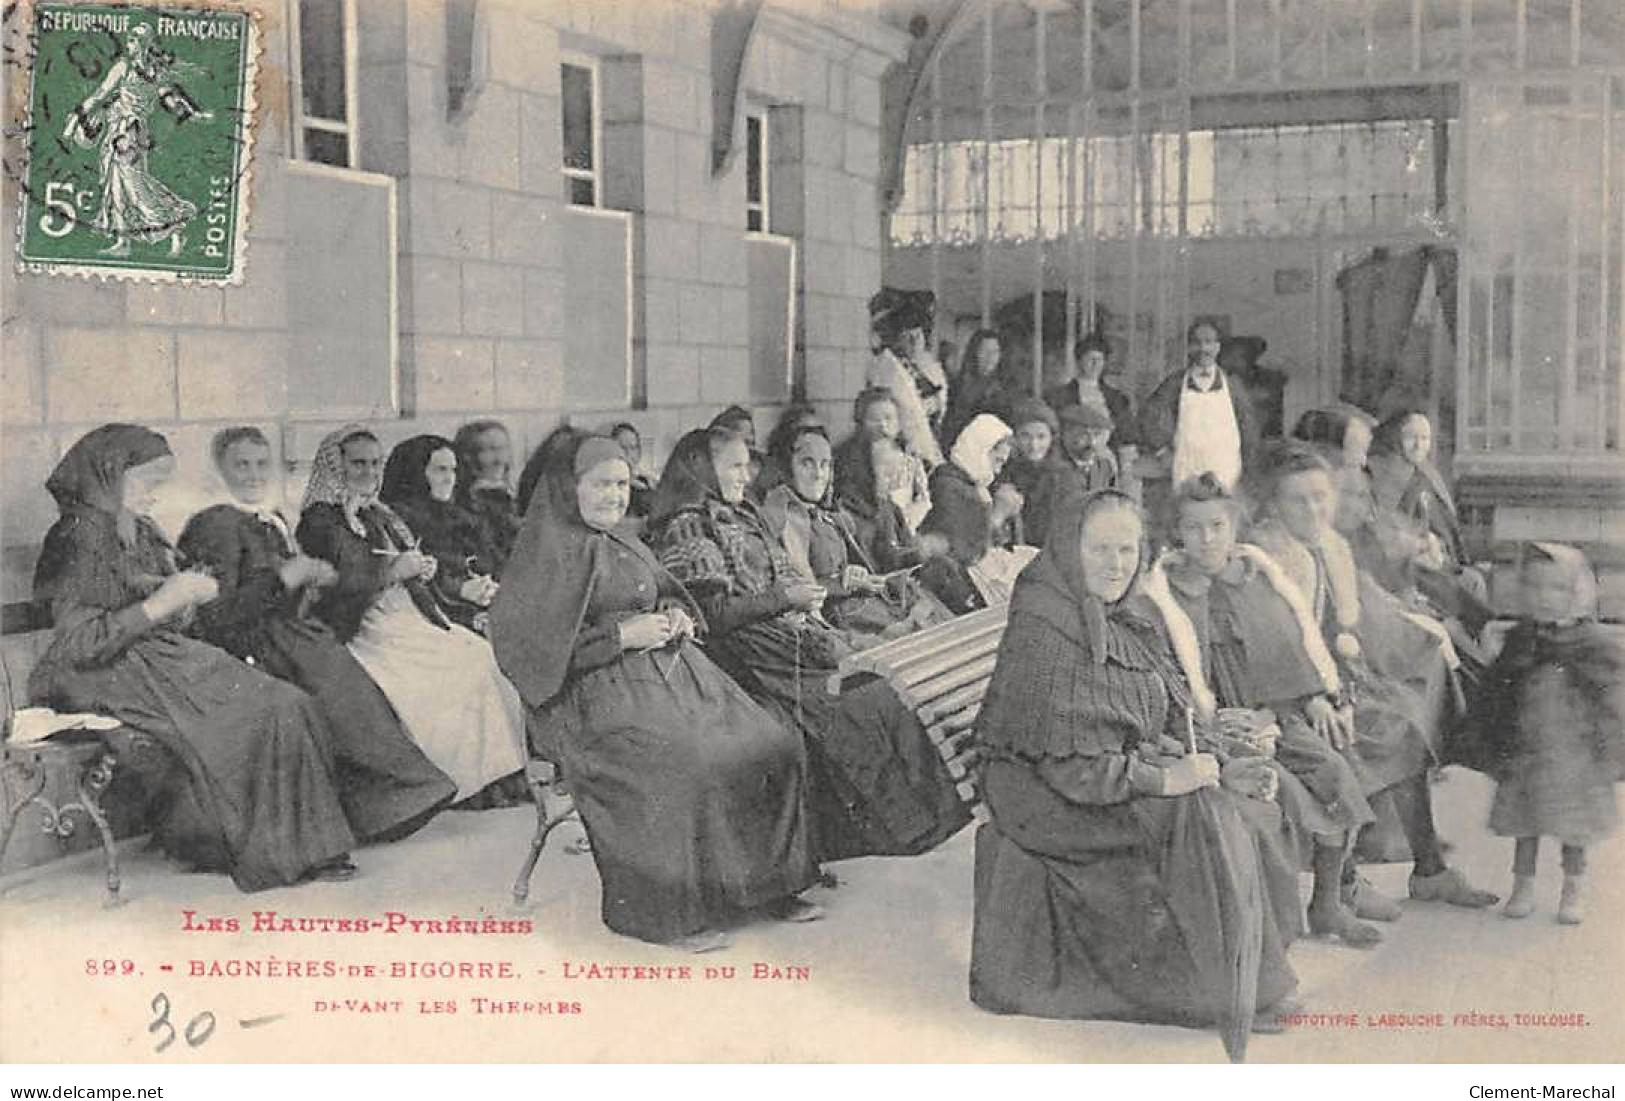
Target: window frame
389 186
298 119
762 206
595 174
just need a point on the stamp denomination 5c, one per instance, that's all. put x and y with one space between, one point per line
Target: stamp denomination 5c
139 135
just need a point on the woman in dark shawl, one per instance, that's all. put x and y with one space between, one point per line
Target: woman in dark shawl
979 387
258 799
878 523
1410 490
692 795
388 787
822 545
484 486
796 416
1121 877
878 785
1394 664
419 483
441 678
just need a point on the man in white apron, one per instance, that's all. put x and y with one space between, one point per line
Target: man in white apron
1196 420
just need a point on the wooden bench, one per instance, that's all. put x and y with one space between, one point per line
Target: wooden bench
66 777
941 673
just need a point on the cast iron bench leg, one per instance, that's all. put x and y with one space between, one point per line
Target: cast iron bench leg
91 785
543 779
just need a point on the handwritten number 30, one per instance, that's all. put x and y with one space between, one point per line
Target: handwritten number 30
198 1029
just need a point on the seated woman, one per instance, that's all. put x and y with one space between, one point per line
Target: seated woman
1255 645
441 678
1394 670
1121 877
980 523
420 481
1035 426
796 416
484 485
877 523
1407 485
643 488
388 787
979 387
877 784
691 794
739 420
259 799
874 413
823 548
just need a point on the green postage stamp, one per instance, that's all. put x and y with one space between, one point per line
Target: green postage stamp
139 132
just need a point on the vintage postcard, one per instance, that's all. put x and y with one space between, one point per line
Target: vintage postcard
770 531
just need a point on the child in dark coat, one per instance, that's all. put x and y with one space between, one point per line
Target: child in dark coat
1551 725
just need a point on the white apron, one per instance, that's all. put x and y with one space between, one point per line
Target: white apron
1206 436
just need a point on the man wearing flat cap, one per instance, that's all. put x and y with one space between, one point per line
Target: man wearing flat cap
1080 463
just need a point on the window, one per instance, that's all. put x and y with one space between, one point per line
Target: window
1543 260
341 293
578 89
1242 182
756 166
322 56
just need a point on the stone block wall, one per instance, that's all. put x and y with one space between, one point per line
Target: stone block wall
481 273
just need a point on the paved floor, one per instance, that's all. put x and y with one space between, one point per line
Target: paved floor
886 969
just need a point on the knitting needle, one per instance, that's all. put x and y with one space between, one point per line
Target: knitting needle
1190 732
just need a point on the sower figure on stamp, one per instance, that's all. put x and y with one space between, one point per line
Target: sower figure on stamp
135 204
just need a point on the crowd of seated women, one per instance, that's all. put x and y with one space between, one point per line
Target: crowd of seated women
1169 737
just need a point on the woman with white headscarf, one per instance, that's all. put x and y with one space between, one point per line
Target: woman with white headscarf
442 679
979 522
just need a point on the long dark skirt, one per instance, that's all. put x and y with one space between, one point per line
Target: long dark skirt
260 799
1129 911
388 787
1324 796
878 786
692 796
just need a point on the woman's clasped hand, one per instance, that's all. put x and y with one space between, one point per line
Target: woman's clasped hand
656 630
409 564
179 593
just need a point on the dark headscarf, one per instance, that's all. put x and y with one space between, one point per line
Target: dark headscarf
563 439
540 608
91 474
732 416
405 480
690 477
467 446
1030 410
783 456
444 528
1327 427
1399 483
1065 567
775 465
855 471
120 552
